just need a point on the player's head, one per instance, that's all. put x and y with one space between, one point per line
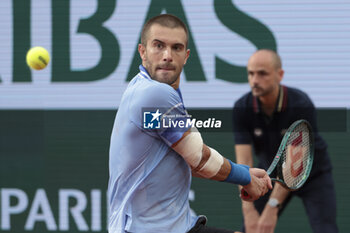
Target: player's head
163 48
264 72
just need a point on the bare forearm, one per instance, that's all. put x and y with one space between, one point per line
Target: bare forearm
244 154
279 192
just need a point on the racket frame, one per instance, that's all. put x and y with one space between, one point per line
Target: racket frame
278 163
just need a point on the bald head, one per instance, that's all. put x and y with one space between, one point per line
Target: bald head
264 73
268 57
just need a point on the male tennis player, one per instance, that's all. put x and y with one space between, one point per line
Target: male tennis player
260 119
150 166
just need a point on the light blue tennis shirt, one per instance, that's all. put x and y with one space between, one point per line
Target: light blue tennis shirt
149 182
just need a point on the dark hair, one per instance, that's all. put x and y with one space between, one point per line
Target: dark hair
166 20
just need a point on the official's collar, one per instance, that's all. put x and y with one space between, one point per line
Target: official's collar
281 101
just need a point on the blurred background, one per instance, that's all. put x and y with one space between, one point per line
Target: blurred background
55 124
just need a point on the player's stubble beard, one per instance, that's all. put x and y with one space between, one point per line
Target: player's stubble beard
157 74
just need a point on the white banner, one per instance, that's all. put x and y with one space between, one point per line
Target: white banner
313 39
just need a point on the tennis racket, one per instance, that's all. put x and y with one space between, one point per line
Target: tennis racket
294 158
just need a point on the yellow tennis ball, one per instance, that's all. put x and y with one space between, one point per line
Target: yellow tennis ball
38 58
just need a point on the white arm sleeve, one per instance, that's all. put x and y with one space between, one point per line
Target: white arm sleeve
213 165
191 147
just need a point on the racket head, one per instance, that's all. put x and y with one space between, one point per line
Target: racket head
294 158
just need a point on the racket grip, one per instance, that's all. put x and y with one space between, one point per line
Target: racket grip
244 194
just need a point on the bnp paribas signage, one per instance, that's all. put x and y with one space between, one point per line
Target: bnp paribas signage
93 46
94 26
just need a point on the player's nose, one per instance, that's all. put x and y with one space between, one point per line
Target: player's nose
167 55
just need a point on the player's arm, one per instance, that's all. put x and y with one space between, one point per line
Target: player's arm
197 155
210 164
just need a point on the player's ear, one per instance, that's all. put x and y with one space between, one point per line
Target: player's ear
187 56
142 51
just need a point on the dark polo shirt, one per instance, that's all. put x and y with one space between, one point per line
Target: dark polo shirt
252 126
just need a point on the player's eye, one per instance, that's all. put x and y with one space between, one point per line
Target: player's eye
159 45
178 47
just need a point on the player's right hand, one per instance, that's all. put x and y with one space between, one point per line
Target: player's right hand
259 185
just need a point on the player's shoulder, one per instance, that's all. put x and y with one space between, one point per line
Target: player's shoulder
160 89
149 93
155 89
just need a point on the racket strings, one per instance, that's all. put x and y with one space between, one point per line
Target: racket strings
295 158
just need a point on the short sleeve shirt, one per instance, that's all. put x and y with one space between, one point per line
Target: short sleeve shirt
252 126
149 182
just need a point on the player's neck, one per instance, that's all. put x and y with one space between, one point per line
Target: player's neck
268 102
176 84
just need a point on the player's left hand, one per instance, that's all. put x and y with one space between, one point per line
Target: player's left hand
259 185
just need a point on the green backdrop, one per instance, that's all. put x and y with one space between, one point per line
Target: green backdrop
58 151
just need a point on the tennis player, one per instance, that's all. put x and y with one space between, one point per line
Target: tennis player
150 166
260 120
